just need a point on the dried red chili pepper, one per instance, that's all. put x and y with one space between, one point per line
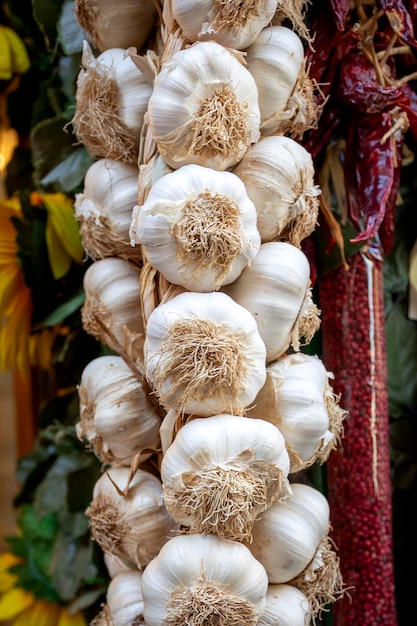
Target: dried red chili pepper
370 172
400 20
359 484
340 9
359 88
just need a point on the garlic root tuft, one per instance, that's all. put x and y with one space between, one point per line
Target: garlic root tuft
220 125
204 359
97 124
227 501
203 603
210 234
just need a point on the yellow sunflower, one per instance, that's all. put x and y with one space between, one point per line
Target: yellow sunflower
18 349
21 608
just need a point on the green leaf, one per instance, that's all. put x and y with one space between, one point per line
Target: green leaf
71 564
35 528
75 524
70 172
46 14
63 311
70 33
51 495
51 145
32 579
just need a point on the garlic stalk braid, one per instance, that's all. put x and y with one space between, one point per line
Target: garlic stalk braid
191 576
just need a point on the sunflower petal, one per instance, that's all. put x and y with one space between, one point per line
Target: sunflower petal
76 619
59 259
62 220
41 613
7 579
14 602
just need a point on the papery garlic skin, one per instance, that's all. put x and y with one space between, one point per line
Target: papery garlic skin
275 288
132 526
221 472
116 414
204 354
204 108
278 174
110 27
231 26
195 573
276 61
285 606
294 399
125 600
116 565
112 97
288 534
197 227
104 209
112 308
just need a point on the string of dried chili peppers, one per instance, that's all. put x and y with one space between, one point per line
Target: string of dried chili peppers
358 54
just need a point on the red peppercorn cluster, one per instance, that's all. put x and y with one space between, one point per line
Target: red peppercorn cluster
359 470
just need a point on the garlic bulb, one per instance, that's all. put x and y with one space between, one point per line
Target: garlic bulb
129 519
231 24
104 209
287 535
198 579
124 599
285 606
204 355
278 174
204 108
116 414
220 472
110 27
275 288
112 97
286 96
198 227
112 308
299 400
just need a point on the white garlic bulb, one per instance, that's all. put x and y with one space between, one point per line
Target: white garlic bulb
203 577
110 27
204 108
275 288
204 354
198 227
278 174
116 415
124 599
221 472
112 308
285 606
231 24
286 96
129 519
104 209
112 97
298 399
287 535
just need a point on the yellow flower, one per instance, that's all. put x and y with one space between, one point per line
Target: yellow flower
21 608
15 297
17 348
63 239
